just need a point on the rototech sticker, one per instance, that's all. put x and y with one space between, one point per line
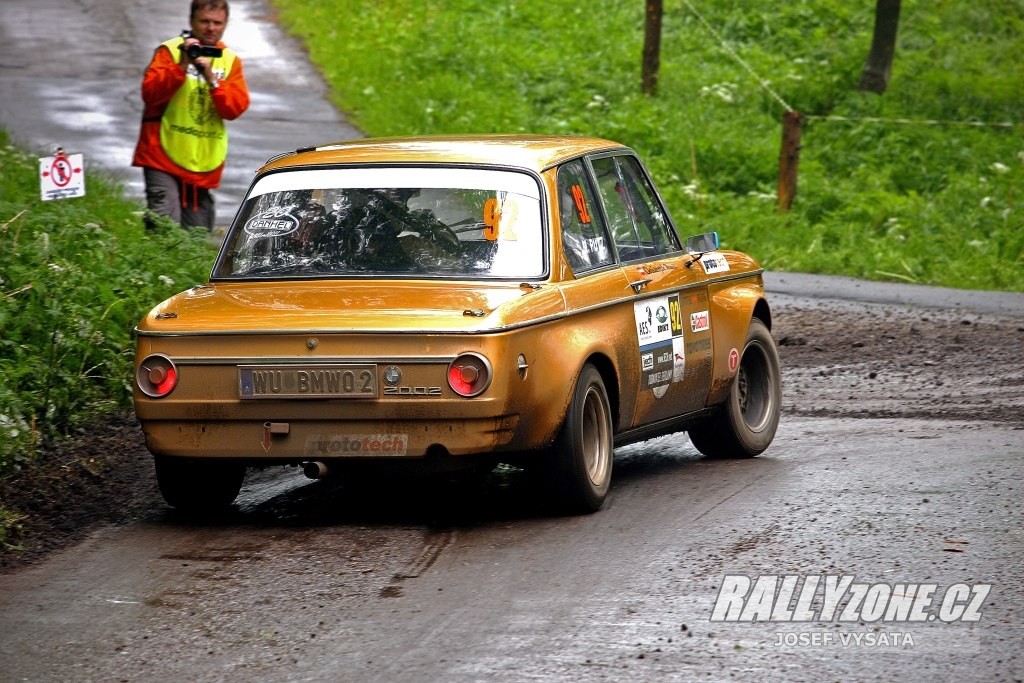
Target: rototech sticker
347 445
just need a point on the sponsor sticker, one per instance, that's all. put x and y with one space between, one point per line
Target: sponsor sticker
359 445
714 263
659 330
700 321
647 361
652 320
274 222
678 359
734 359
699 346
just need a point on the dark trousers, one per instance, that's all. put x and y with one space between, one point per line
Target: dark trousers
187 205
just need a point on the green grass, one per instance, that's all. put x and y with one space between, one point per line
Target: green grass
931 204
76 275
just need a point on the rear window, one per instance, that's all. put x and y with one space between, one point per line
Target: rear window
448 222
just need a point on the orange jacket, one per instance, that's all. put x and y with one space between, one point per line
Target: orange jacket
163 78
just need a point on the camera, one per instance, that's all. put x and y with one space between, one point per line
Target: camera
194 51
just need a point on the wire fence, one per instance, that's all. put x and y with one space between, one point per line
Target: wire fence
766 86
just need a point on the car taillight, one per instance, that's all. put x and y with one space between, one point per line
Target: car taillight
156 376
469 374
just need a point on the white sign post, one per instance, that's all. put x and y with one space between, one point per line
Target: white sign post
61 176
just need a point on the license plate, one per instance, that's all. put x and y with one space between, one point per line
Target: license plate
307 381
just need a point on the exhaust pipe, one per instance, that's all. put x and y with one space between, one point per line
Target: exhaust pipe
314 469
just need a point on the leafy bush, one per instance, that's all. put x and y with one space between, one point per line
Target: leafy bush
918 202
76 275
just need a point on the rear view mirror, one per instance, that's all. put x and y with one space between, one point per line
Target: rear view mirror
701 244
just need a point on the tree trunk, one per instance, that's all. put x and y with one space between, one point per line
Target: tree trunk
652 47
875 76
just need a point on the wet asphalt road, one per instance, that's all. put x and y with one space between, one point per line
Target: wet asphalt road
316 582
328 582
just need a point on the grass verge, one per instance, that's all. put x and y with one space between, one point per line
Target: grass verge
76 275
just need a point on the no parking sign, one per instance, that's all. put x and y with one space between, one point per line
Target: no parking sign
61 176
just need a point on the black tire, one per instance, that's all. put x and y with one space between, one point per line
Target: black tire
194 485
579 465
745 424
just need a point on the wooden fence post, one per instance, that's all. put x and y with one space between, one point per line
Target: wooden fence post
652 47
789 159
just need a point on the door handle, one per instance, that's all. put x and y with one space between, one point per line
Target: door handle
639 284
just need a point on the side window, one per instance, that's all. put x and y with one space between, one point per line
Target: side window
584 238
639 226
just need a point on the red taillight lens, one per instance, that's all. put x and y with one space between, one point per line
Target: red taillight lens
469 374
156 376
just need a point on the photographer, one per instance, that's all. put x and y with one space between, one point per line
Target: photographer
192 85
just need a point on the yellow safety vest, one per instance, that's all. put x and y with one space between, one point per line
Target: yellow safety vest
192 133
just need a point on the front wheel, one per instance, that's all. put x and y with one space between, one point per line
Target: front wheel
745 424
580 462
195 485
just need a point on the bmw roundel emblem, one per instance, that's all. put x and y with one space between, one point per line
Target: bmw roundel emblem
392 375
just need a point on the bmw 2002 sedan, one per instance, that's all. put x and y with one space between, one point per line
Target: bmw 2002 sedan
454 302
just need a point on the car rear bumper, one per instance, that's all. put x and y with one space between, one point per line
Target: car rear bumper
301 440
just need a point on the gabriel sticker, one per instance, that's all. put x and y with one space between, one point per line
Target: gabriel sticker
700 321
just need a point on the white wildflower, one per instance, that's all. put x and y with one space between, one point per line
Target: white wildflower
693 190
1000 168
985 201
166 280
723 91
56 268
11 426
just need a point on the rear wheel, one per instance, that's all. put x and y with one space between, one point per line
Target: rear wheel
745 424
197 485
580 463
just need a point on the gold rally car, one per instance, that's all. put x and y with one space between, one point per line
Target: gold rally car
454 302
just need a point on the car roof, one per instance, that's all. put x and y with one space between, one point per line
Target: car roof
534 152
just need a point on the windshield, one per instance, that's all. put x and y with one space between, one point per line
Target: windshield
451 222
